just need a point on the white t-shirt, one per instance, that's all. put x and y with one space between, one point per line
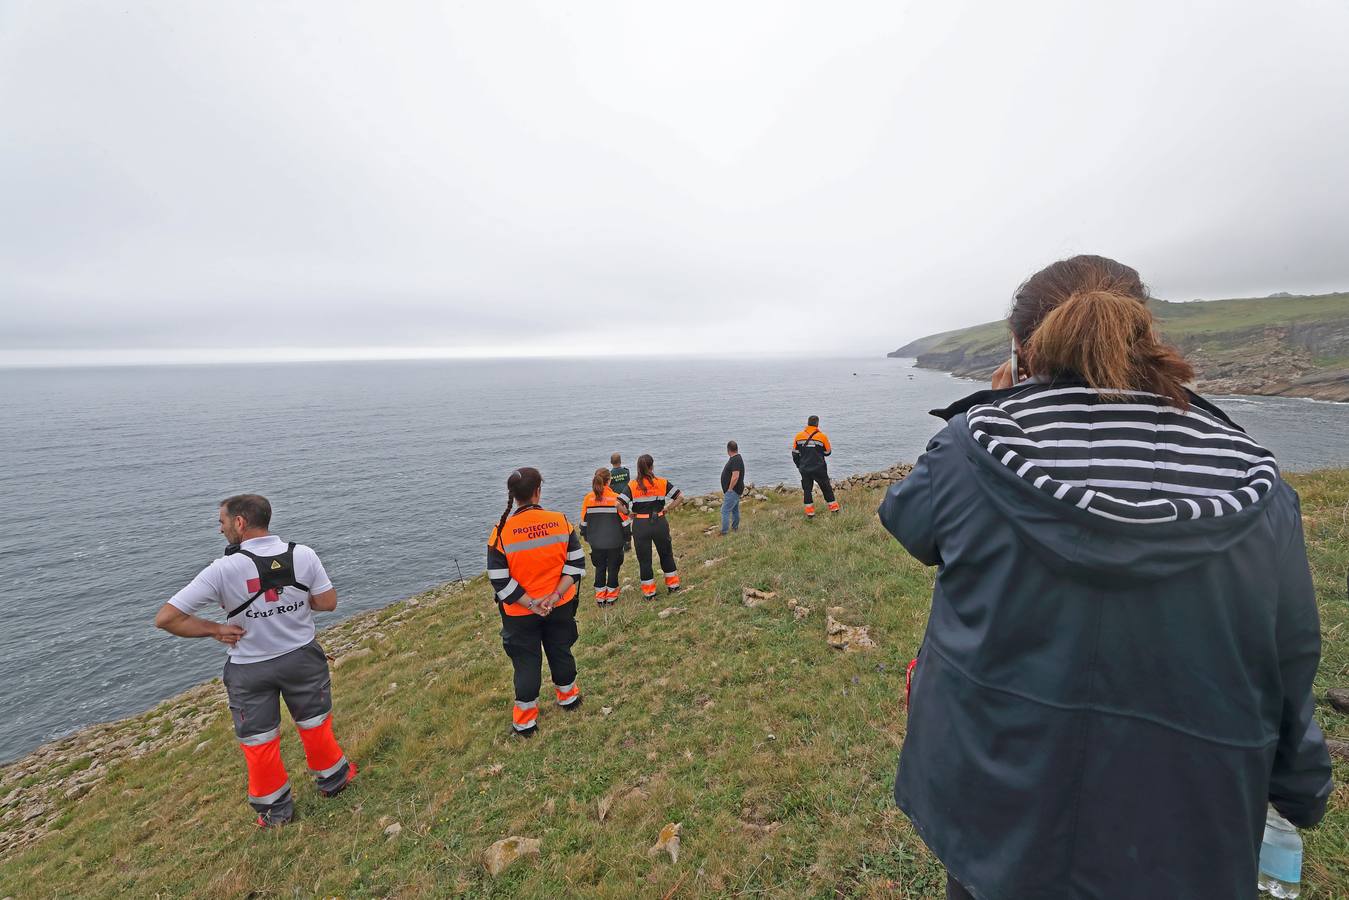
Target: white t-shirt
277 622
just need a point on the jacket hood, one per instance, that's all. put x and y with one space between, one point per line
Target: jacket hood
1115 485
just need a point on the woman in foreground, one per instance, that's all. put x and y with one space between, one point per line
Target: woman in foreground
1117 672
535 561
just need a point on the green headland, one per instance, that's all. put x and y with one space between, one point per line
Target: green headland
1294 346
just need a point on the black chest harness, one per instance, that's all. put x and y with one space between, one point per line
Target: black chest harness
273 572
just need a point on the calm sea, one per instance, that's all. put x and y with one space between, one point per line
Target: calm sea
393 471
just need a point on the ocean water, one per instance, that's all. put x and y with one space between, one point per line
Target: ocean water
393 471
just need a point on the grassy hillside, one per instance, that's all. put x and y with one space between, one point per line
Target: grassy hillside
1297 346
775 751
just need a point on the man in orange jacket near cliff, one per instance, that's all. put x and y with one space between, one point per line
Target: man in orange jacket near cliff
809 449
267 589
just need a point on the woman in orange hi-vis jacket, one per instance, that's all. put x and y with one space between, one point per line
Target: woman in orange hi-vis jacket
606 527
535 561
648 497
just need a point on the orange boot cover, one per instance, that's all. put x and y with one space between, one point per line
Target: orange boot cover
672 579
321 752
648 589
810 509
601 594
267 779
834 507
568 694
525 716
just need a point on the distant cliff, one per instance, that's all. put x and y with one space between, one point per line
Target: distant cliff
1280 345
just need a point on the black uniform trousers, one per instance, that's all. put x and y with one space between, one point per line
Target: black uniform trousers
526 640
607 564
821 478
646 532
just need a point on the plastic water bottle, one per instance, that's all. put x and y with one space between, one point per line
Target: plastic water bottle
1280 857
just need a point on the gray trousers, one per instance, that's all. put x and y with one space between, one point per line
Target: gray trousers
255 692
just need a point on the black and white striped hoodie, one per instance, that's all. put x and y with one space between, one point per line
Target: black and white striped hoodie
1129 456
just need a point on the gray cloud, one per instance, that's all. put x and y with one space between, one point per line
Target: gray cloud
195 175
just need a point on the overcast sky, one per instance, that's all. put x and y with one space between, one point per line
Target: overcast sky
180 179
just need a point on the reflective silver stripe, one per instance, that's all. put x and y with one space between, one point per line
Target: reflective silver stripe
566 688
257 740
524 727
574 570
672 574
532 704
578 553
315 722
650 581
273 796
498 573
537 542
569 701
602 509
331 770
510 588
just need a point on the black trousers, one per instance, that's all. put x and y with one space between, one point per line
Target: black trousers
821 478
526 640
646 532
607 563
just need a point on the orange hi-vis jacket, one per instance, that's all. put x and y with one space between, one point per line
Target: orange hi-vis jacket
648 500
535 548
605 523
809 448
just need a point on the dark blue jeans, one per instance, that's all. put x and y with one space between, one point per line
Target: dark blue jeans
730 511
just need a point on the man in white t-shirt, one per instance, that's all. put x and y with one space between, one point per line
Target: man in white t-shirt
267 589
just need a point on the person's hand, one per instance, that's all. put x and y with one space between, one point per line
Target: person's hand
547 603
228 634
1003 377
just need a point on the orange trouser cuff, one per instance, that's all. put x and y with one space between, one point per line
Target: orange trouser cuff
321 750
266 773
524 715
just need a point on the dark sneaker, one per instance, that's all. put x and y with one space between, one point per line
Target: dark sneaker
527 733
574 705
264 820
674 590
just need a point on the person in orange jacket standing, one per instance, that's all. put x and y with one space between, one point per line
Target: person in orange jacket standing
809 449
648 498
534 561
606 527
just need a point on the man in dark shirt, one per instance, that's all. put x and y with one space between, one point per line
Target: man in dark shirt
732 487
618 474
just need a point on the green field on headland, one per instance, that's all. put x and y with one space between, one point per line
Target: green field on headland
1284 345
774 750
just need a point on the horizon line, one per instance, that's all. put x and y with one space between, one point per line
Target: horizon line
144 358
